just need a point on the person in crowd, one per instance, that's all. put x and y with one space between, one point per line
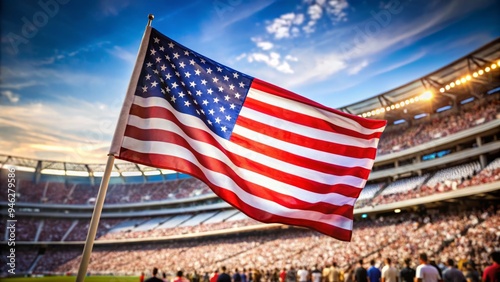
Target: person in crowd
224 277
302 274
407 273
215 276
154 278
244 277
349 274
236 276
360 273
316 274
275 275
492 272
374 273
470 273
164 277
179 277
426 272
389 272
196 277
291 275
434 264
283 275
334 273
451 273
326 273
141 278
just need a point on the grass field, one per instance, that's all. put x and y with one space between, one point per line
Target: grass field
73 278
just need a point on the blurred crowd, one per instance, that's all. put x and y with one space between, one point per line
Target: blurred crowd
466 236
404 136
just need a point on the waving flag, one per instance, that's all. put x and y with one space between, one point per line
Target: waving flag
274 155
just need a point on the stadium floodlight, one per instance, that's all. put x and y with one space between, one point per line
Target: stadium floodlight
441 90
457 82
19 168
397 106
463 80
447 87
452 84
364 115
397 210
493 66
101 173
53 171
468 77
480 72
417 98
487 69
475 74
427 95
412 100
368 114
382 110
77 173
131 173
402 104
407 102
392 107
387 109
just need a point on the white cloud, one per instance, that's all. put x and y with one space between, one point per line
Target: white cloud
265 45
123 54
280 27
242 56
273 60
357 68
9 95
315 12
19 85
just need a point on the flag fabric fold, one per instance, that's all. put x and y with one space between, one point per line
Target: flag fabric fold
274 155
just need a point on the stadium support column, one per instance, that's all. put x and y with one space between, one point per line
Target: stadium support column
38 172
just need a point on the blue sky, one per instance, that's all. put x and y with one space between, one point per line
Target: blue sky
66 64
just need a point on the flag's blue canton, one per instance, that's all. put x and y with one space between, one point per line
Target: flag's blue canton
193 84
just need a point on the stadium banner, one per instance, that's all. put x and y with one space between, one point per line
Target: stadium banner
276 156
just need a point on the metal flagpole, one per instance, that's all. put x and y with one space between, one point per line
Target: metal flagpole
101 195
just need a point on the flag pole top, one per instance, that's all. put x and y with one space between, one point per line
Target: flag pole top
150 19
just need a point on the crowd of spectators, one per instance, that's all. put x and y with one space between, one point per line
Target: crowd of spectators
465 236
444 180
404 136
81 194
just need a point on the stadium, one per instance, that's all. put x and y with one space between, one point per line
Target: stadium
435 187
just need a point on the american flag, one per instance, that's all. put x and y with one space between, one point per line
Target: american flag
276 156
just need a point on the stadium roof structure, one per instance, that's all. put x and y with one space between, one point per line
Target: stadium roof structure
471 76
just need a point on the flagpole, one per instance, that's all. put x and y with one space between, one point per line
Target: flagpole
101 195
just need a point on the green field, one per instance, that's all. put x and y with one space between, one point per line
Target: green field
73 278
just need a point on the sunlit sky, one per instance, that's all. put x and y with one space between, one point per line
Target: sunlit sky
66 64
